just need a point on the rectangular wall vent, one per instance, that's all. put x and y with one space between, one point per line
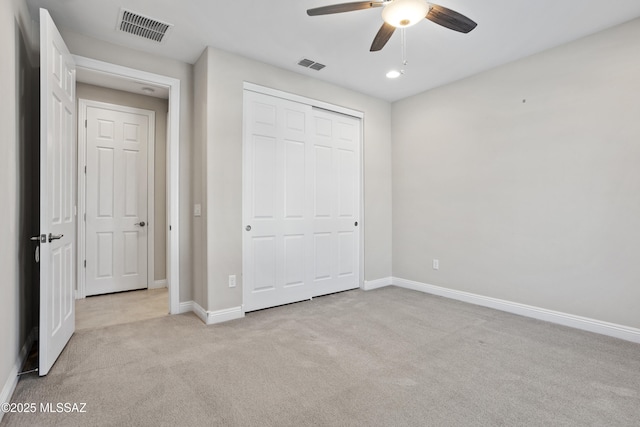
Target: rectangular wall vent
142 26
307 63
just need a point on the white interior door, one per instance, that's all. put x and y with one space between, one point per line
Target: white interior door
335 139
277 167
300 202
117 139
58 181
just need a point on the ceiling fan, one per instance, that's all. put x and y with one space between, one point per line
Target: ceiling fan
401 14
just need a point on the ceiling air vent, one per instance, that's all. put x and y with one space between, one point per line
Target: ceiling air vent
142 26
307 63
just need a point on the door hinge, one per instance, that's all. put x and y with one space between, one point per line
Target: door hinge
85 123
85 263
85 170
85 217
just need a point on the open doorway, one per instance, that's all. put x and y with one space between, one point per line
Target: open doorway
102 82
121 201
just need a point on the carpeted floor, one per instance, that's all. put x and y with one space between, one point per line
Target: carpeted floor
389 357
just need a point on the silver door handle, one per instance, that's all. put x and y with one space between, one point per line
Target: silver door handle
141 223
248 228
53 237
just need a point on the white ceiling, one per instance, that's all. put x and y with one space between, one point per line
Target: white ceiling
280 33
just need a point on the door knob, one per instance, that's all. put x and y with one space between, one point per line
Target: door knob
141 223
53 237
248 228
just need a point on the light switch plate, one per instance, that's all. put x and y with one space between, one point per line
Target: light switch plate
197 209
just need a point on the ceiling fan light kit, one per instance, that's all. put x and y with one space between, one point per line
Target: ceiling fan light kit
405 13
401 14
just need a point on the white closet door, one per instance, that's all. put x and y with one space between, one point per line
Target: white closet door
335 140
300 202
277 169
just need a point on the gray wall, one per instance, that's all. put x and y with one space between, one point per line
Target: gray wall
222 143
19 186
535 202
160 107
199 166
92 48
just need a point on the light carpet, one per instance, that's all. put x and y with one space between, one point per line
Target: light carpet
388 357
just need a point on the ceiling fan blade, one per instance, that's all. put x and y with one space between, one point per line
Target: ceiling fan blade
384 34
450 19
344 7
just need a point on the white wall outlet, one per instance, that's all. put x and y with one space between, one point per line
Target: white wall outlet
232 281
197 209
436 264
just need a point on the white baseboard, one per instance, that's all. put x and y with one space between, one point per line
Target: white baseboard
211 317
225 315
378 283
185 307
192 306
12 381
592 325
158 284
200 312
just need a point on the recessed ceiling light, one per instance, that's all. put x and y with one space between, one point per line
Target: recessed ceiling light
393 74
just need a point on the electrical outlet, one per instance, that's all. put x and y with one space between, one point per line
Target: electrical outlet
232 281
436 264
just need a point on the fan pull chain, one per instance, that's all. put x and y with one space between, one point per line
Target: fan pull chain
403 44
